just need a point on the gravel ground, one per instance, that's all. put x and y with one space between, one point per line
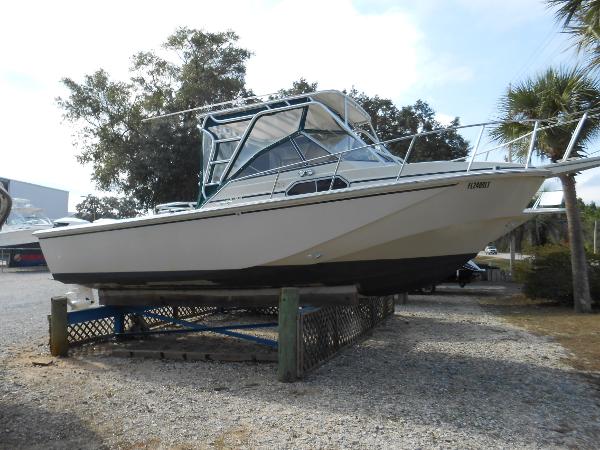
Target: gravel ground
25 303
441 373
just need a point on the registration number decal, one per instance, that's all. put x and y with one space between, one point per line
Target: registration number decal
478 185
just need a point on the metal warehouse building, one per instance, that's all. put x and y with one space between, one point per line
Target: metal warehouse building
54 202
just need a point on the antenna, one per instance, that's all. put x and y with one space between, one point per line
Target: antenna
214 105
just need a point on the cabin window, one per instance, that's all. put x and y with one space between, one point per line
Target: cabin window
280 155
229 130
380 149
318 118
310 149
337 142
207 143
323 128
217 172
225 150
321 185
325 184
266 131
305 187
361 154
386 157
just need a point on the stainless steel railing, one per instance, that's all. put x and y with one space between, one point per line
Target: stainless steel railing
558 121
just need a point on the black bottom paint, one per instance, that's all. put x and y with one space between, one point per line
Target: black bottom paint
378 277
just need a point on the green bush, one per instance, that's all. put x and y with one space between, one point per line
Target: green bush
521 270
548 274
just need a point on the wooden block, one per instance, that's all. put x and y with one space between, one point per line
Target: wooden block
59 342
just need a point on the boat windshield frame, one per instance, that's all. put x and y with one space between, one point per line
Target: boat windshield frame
251 116
27 217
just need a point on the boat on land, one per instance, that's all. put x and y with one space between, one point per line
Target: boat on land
24 219
5 205
68 221
172 207
300 191
18 246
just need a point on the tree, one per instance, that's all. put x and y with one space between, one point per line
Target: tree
391 122
154 161
591 216
299 87
551 94
581 18
92 208
549 276
541 229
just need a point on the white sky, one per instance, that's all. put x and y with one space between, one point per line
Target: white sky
378 47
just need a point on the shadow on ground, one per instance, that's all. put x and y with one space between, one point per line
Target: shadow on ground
440 365
24 426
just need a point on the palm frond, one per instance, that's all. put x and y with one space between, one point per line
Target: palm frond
553 97
581 19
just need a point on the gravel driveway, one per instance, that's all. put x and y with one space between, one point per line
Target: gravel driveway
24 305
441 373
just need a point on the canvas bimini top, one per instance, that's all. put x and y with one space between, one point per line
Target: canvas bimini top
257 137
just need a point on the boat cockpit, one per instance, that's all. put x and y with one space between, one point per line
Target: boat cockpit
24 215
253 150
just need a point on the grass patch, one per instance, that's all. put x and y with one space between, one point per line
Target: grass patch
579 333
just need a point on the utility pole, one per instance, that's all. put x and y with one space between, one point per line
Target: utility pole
595 234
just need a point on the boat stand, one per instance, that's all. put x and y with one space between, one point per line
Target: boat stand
194 327
307 334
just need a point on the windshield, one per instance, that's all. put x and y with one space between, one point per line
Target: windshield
25 219
340 141
296 136
266 131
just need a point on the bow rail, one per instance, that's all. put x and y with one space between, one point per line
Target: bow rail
402 162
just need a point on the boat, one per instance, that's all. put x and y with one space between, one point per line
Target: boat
18 246
68 221
5 205
468 273
24 219
300 191
171 207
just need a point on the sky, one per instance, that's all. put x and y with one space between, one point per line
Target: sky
458 55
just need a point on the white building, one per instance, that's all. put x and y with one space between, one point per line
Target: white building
54 202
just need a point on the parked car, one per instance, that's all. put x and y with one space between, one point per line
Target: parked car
491 250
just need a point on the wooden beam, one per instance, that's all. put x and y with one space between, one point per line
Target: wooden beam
194 355
287 346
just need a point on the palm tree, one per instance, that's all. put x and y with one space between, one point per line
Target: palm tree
555 93
581 18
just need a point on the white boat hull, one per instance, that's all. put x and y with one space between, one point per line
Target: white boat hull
382 237
21 237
